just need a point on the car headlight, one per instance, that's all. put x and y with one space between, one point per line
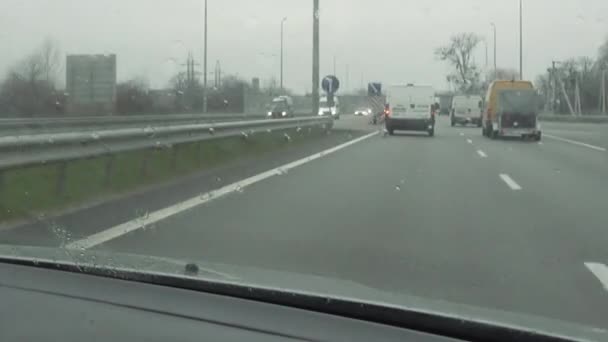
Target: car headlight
269 113
284 113
333 112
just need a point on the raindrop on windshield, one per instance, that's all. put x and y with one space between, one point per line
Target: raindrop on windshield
244 135
283 172
150 131
287 137
398 188
95 136
211 130
269 131
402 181
239 189
218 179
299 129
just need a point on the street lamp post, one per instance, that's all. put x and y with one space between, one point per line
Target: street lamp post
495 68
521 41
315 58
205 64
282 24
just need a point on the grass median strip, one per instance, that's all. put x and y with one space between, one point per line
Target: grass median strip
51 187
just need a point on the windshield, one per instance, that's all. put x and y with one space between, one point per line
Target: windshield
278 106
150 128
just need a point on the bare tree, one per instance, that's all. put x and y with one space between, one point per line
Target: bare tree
133 97
50 60
458 53
29 88
603 54
505 74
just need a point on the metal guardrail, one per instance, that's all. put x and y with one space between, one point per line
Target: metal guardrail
570 118
20 151
14 126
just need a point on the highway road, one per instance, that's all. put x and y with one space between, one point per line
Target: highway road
509 225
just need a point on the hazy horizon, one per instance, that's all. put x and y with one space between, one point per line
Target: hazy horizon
390 41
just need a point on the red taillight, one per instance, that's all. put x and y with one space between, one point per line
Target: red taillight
387 112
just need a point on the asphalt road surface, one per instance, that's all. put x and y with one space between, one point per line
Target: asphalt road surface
506 224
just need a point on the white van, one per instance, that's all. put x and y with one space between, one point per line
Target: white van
467 109
410 107
325 108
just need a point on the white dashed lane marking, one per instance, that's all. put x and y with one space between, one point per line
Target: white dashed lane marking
600 271
510 182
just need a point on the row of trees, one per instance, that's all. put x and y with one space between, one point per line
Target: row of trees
586 72
31 88
467 77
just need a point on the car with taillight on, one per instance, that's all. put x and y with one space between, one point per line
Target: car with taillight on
466 110
410 108
511 111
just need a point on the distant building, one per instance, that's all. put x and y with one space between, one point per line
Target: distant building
255 84
91 84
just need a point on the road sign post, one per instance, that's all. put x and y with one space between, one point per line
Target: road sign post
330 85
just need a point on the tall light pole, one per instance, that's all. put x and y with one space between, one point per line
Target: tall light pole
315 58
205 64
334 65
521 41
282 24
495 68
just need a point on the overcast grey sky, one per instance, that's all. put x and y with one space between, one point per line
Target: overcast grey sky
385 40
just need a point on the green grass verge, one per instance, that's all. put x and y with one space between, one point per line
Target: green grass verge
36 189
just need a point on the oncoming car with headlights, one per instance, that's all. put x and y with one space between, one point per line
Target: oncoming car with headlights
281 107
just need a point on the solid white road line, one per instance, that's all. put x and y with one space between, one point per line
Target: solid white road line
482 154
600 271
574 142
152 218
510 182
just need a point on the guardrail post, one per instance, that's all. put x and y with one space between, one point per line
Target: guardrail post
61 178
199 153
174 151
143 170
1 185
107 181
